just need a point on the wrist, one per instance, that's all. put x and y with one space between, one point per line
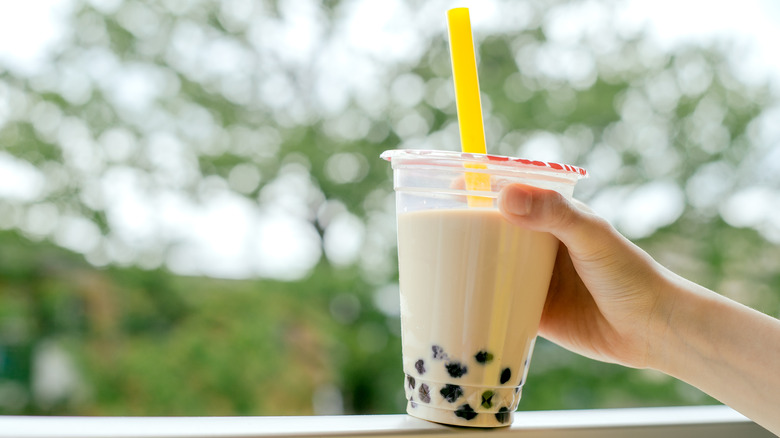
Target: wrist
680 304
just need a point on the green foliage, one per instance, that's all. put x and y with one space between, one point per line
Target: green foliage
152 343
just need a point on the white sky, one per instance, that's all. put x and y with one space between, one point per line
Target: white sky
27 29
752 24
230 237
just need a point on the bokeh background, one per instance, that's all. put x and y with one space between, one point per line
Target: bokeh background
194 219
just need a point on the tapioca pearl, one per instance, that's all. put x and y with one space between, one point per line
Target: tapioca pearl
411 382
438 352
466 412
502 416
424 393
483 357
420 366
506 374
487 399
451 392
412 403
456 369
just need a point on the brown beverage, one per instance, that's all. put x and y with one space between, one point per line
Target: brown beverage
472 291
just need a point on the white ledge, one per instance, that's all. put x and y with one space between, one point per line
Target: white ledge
669 422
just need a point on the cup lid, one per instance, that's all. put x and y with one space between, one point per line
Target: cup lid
433 157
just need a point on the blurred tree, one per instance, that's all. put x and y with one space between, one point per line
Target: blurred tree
154 113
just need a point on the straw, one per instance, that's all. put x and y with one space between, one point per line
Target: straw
472 140
467 101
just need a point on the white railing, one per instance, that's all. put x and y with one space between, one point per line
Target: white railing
671 422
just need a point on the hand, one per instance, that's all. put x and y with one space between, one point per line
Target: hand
605 296
610 301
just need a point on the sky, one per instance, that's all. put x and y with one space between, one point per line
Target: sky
754 25
28 29
228 236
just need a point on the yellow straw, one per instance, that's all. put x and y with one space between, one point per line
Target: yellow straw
467 101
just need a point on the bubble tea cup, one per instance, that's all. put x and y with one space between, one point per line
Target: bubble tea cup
472 284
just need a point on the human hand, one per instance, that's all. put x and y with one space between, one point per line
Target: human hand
610 301
607 297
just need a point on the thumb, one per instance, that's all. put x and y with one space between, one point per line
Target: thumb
582 231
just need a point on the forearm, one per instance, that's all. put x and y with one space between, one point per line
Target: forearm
725 349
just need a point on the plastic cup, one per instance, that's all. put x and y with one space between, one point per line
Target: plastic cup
472 285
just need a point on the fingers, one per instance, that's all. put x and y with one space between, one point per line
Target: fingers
545 210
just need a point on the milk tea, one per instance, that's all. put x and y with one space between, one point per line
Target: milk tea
473 288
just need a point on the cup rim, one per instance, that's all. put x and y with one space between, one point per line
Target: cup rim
430 157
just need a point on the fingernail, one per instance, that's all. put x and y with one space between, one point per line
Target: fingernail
517 201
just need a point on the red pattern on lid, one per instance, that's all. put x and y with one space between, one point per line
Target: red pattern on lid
566 168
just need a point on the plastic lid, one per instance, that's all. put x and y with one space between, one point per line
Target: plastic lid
419 156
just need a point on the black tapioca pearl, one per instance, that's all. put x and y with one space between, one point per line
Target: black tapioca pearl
412 403
465 412
420 366
502 416
487 399
451 392
483 357
456 369
411 382
506 375
438 352
425 393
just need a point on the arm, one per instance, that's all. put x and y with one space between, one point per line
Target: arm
610 301
725 349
